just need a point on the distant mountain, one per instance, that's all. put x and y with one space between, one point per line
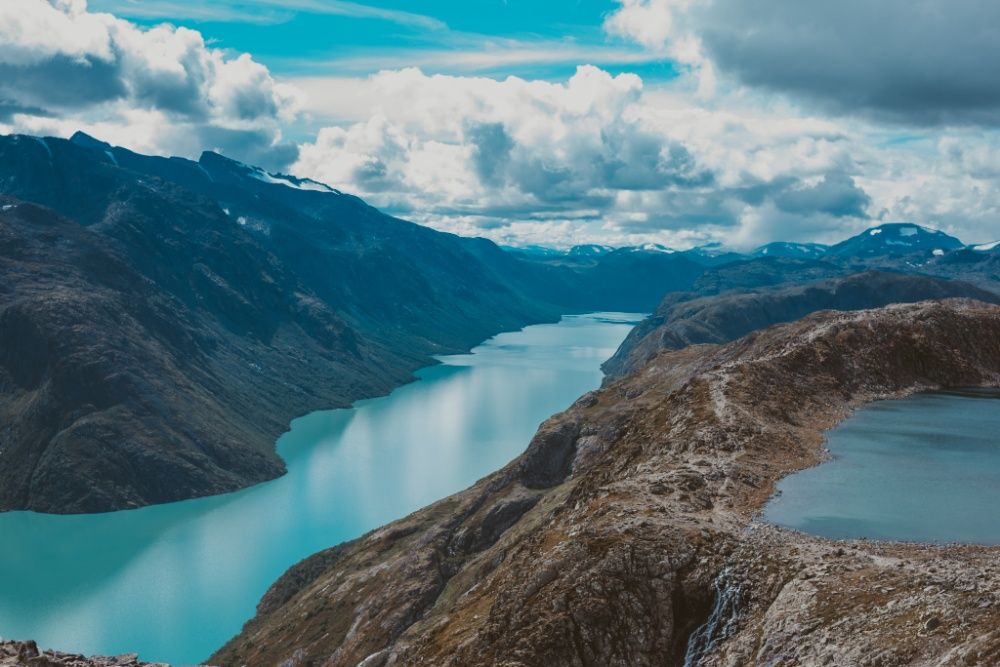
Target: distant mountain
895 239
751 273
590 250
993 246
791 250
535 251
631 278
651 247
636 280
712 254
683 320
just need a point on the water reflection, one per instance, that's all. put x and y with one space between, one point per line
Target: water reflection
924 468
176 581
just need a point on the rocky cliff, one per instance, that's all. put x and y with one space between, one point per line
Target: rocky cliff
625 534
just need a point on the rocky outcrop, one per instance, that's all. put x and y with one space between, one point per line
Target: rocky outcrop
27 654
626 534
684 319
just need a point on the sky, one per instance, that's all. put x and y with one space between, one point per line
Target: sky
680 122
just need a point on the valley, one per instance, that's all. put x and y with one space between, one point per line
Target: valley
576 333
163 320
173 582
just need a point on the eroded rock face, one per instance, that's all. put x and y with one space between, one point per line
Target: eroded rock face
610 541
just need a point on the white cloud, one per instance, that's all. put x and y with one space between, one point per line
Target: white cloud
661 27
652 23
596 157
61 64
262 11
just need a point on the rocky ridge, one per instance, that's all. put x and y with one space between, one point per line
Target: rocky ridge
626 533
688 318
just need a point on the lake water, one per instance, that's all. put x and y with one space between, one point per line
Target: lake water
174 582
924 468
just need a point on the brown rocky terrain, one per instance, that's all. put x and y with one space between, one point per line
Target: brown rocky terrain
27 654
626 535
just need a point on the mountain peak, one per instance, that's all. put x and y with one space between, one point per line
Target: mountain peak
84 140
896 238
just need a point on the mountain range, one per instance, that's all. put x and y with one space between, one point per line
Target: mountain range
885 240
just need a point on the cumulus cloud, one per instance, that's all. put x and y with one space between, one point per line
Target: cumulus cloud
911 61
60 64
594 157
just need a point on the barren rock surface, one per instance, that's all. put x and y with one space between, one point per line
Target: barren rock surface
628 527
27 654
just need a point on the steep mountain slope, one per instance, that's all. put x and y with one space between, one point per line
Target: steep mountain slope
161 320
609 540
685 319
121 387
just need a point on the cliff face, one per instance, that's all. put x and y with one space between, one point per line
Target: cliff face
684 319
625 534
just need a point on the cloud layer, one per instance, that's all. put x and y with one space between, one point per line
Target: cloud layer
590 158
925 62
59 61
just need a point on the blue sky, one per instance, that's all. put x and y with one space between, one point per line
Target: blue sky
298 38
552 122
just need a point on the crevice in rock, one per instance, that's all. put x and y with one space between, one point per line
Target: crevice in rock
721 621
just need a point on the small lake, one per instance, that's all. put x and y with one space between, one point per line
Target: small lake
174 582
925 468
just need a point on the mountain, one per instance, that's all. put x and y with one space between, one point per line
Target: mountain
683 320
534 251
589 250
629 523
762 272
895 239
632 278
162 319
791 250
712 254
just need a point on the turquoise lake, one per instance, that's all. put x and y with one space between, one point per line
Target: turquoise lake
174 582
925 468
